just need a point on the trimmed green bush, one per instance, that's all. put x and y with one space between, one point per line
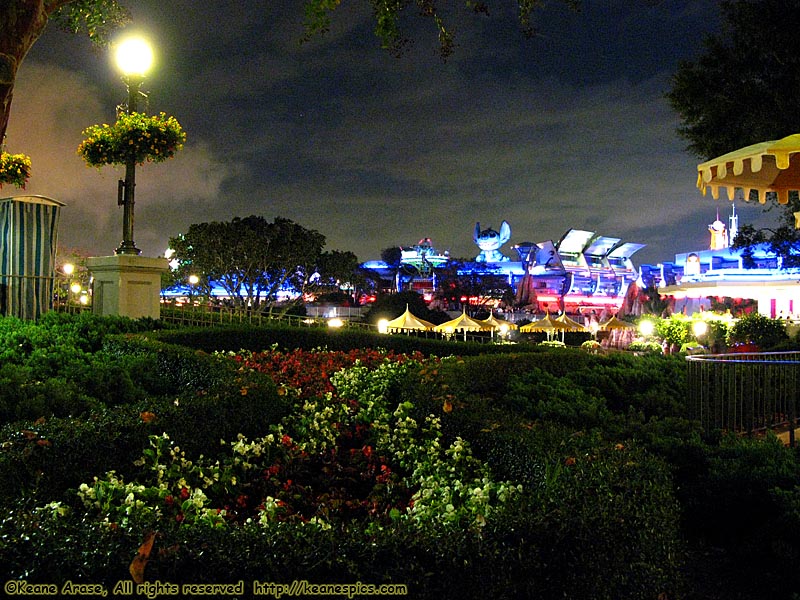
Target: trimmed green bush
201 399
758 329
243 337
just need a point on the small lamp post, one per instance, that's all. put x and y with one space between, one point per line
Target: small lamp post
134 58
647 328
383 326
193 281
67 269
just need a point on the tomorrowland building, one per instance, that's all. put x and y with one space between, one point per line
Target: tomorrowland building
585 271
580 271
721 272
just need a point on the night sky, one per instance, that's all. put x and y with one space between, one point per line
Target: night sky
566 130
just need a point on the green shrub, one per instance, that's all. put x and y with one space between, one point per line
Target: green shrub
757 329
55 367
202 399
741 473
645 347
741 496
675 330
245 337
537 394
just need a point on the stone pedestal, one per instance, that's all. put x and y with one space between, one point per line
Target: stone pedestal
127 285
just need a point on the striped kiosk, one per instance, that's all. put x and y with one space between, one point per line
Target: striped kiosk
28 237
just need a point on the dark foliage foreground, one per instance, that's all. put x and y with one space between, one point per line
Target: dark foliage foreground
622 497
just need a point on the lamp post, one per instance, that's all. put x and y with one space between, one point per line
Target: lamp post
63 287
134 57
193 281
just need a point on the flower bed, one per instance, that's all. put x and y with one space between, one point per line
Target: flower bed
360 465
346 452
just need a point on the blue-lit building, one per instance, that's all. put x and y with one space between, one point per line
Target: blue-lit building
722 272
585 271
581 271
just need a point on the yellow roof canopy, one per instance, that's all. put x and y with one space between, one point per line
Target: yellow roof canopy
573 324
409 322
615 323
548 324
464 323
772 166
496 323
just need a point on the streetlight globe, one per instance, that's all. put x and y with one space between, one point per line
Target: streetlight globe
699 328
194 279
68 268
646 328
134 56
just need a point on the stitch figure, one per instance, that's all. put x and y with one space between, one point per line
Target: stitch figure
489 241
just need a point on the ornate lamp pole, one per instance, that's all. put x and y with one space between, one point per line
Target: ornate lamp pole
134 58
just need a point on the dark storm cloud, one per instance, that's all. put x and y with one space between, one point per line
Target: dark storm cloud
568 130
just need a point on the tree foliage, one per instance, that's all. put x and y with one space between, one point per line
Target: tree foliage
391 19
21 24
743 88
336 271
783 240
250 258
337 266
391 306
758 329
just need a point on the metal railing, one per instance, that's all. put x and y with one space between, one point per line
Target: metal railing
745 392
201 314
192 315
198 315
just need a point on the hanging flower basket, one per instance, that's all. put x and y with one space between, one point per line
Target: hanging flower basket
134 136
14 169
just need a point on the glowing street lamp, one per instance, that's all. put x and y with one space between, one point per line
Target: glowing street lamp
647 328
699 329
193 281
134 58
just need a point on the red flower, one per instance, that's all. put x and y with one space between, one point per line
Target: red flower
386 473
185 493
